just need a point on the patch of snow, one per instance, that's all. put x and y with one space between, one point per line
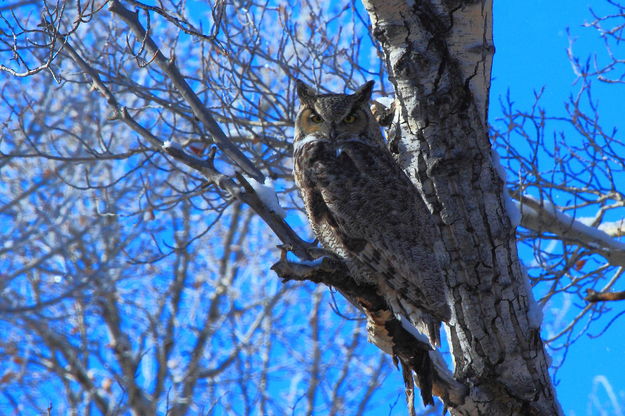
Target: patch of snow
586 220
613 224
609 227
613 227
171 144
577 226
148 215
512 208
267 194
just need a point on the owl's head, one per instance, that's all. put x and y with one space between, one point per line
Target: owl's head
336 116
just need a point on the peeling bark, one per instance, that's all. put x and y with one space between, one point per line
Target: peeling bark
439 55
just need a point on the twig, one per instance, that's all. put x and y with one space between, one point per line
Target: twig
594 296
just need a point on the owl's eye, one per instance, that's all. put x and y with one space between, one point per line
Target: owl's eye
350 118
316 118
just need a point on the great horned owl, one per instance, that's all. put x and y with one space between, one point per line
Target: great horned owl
364 208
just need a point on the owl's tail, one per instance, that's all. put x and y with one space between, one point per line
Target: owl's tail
418 322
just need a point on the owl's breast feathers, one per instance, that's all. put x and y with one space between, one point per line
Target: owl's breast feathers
363 206
326 162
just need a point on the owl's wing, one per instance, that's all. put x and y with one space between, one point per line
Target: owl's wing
384 221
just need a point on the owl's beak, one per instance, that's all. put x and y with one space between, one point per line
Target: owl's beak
338 151
332 131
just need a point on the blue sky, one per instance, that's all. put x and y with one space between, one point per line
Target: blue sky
531 40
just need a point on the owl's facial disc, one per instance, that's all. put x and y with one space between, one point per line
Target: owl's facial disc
310 138
311 122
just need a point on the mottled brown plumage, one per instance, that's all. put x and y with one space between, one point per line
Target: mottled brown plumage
364 208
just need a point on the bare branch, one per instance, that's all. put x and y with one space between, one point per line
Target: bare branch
593 296
384 329
200 111
541 216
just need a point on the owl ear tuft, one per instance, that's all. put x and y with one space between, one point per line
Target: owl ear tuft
304 92
363 94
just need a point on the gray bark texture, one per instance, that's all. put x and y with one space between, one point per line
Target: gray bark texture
438 54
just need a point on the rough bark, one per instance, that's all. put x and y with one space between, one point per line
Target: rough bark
438 54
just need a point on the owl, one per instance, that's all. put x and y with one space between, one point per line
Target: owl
364 208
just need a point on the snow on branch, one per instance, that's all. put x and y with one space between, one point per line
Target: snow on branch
171 144
611 228
542 216
267 195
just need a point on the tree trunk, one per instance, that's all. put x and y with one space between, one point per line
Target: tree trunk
438 55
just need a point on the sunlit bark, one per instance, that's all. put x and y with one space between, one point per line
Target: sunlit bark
439 55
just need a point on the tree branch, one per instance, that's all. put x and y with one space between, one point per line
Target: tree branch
201 112
206 167
542 216
384 330
593 296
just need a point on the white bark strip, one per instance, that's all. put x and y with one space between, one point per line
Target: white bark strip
471 42
438 54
